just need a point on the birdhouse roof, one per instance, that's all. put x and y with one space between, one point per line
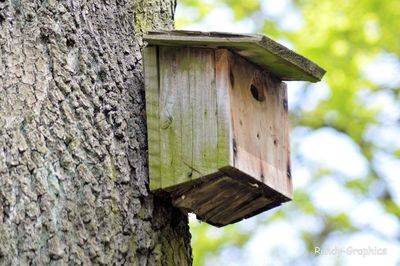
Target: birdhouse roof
257 48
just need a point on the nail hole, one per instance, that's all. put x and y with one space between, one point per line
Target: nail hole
257 93
285 104
232 78
258 135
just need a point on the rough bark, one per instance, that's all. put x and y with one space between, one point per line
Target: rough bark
73 152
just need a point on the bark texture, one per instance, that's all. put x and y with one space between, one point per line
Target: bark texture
73 152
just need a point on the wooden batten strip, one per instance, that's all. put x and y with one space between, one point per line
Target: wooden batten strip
151 78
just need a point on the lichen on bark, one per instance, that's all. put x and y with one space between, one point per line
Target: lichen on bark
73 152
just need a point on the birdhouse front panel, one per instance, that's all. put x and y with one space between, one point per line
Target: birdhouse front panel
258 121
217 119
185 123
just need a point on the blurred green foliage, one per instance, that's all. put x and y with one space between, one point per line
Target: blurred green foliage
343 36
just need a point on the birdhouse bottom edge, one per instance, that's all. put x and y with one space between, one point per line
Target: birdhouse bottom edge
225 197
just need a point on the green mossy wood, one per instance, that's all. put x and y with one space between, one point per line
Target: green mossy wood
257 48
217 121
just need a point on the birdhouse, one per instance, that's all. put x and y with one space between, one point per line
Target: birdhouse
217 119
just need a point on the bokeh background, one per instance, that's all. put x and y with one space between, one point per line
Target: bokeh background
345 134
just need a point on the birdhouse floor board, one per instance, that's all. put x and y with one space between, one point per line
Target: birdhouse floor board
221 200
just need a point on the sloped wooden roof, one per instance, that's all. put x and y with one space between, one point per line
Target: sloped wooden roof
257 48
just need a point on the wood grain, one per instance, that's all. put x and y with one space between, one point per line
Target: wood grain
188 103
257 48
218 133
259 125
223 85
152 113
223 199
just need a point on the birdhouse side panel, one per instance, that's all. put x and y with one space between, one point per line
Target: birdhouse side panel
187 101
258 102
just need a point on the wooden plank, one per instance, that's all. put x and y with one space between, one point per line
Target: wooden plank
222 199
152 113
257 48
259 125
186 134
224 82
188 114
204 119
171 98
286 144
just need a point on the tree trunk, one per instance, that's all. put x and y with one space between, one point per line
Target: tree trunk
73 152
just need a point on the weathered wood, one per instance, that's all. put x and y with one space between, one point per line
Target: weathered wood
223 199
259 125
224 82
204 111
257 48
170 126
152 112
222 133
188 131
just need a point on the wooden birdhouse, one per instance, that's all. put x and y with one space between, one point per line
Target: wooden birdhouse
217 118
